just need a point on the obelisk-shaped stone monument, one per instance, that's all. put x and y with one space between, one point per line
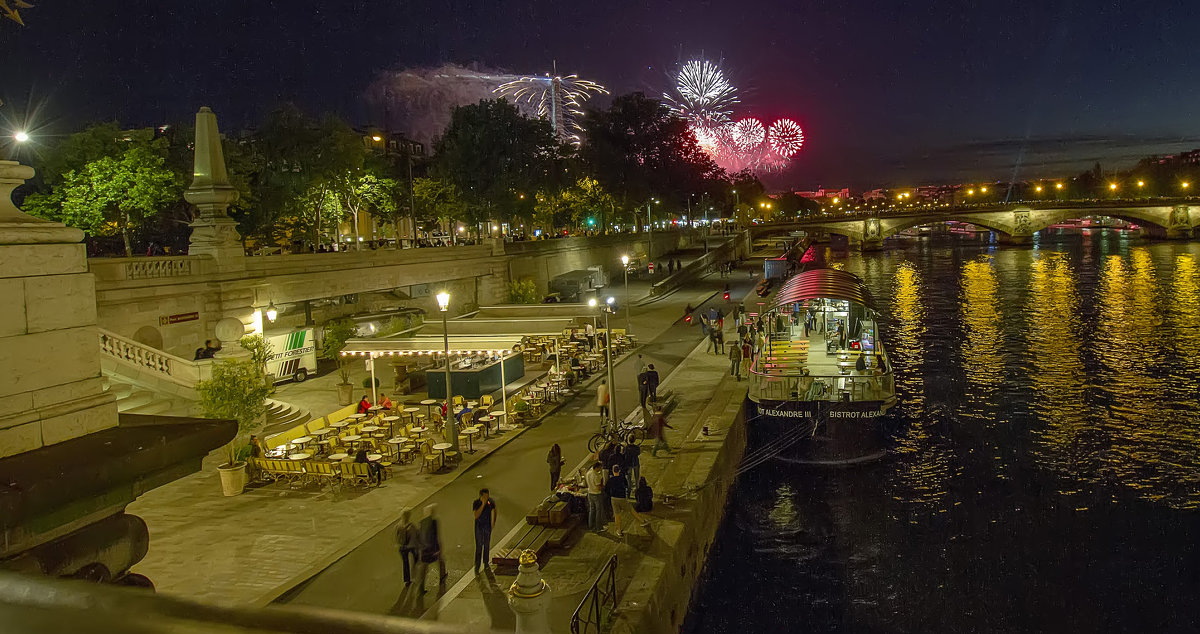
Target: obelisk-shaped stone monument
213 232
49 348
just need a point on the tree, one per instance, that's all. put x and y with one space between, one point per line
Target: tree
523 291
337 333
111 195
237 392
637 150
493 154
366 191
438 200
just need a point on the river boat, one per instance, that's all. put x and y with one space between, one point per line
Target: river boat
822 382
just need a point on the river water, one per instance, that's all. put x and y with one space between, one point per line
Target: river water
1045 475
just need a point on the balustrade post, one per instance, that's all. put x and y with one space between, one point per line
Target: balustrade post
529 597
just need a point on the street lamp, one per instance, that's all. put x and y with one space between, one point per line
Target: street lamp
625 266
443 302
607 309
272 313
21 136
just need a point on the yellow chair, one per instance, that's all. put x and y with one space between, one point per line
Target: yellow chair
486 401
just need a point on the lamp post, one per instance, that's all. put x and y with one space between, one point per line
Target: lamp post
625 265
443 300
607 308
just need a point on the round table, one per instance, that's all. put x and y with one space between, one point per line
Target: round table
500 415
486 420
410 411
301 441
374 408
322 432
391 421
357 416
442 447
370 428
419 430
352 438
472 404
429 403
374 457
303 455
340 424
338 457
471 433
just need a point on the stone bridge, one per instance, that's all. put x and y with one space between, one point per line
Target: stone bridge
1013 224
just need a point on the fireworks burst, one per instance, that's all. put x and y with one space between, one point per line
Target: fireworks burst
557 99
704 97
786 137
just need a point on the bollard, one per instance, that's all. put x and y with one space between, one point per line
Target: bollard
529 597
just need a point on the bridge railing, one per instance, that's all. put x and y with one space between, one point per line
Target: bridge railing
148 268
801 385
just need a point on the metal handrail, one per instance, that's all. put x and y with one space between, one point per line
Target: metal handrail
602 592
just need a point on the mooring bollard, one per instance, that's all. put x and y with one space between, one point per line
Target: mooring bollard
529 597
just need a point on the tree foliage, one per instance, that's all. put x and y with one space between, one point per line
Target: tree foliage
237 392
523 291
337 333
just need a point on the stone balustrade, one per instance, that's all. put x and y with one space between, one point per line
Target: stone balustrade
145 362
148 268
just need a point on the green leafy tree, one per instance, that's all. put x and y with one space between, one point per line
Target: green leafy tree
111 195
493 154
438 200
337 333
259 348
237 392
368 192
523 291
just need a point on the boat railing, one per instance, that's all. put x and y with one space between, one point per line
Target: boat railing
800 386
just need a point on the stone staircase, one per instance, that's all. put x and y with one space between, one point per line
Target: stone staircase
133 399
282 416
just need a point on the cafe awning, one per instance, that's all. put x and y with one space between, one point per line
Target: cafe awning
498 327
430 346
823 284
535 311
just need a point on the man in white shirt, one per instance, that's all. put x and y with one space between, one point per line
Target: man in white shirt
595 493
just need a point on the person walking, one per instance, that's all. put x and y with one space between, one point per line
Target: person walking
485 519
617 489
712 341
633 461
602 398
746 357
735 361
658 430
595 496
431 546
720 340
408 538
652 382
556 461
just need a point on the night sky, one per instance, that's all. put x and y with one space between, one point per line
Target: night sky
893 93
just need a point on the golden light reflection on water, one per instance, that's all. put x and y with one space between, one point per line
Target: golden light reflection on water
923 467
783 512
982 361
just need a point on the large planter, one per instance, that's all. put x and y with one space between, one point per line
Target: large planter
233 478
345 393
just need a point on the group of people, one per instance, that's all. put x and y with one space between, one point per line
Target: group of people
209 351
420 542
647 380
608 492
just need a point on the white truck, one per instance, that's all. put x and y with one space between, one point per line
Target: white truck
293 355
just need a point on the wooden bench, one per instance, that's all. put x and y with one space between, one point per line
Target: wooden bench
534 538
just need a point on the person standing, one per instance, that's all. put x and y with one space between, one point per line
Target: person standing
633 461
602 398
643 387
735 361
408 538
652 382
431 546
595 495
720 344
617 489
555 460
485 518
712 341
643 498
746 357
658 429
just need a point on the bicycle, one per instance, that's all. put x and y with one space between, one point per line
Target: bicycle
624 433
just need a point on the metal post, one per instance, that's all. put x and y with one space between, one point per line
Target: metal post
628 329
649 234
374 394
450 428
612 386
503 388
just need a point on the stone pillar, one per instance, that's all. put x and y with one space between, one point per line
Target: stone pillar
1179 225
49 347
529 597
213 232
1022 232
872 235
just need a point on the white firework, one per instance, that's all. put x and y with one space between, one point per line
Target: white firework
558 99
786 137
748 134
702 93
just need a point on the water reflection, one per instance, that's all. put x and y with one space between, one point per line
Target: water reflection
982 345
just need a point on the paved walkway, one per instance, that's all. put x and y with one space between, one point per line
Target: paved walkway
369 578
256 546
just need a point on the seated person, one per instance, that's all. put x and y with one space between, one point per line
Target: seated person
465 414
385 402
364 405
374 469
579 367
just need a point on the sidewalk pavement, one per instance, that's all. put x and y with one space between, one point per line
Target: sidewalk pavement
707 395
253 547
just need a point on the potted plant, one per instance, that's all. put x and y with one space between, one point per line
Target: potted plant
260 352
337 333
520 407
235 392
